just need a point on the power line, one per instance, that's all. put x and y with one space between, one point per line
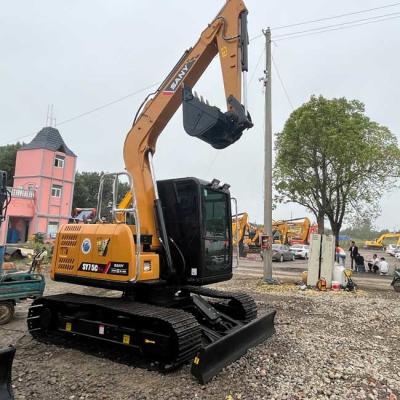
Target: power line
90 111
107 104
328 18
335 16
374 19
290 35
334 29
282 84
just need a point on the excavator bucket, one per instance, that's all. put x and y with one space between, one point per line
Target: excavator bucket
208 123
6 360
214 357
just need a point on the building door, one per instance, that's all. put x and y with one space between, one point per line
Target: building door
26 230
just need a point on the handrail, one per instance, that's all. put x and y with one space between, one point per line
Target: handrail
115 210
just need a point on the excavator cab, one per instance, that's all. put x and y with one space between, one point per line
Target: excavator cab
197 217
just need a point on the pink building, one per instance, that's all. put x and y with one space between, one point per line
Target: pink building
43 187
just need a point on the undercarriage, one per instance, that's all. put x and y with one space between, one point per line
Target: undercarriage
168 326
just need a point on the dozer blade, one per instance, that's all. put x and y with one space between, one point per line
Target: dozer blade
6 360
212 358
208 123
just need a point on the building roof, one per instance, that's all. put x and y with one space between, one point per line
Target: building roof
49 138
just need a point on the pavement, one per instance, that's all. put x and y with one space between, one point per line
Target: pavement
291 271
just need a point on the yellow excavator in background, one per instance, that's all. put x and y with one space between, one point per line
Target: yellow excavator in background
379 243
240 232
171 238
247 236
291 231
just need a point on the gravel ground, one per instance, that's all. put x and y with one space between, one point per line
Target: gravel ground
327 345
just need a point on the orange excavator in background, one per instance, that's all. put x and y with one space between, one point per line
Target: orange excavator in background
240 228
291 231
172 237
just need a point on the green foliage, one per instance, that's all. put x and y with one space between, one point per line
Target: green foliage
332 159
363 229
87 188
8 155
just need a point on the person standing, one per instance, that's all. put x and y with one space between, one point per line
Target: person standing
353 252
340 255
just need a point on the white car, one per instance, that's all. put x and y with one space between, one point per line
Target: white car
390 249
397 255
300 250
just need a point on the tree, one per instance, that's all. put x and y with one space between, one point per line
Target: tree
362 228
87 188
332 159
8 155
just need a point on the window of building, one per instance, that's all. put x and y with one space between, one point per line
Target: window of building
52 228
56 190
59 161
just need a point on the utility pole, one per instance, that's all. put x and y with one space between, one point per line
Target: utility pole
267 252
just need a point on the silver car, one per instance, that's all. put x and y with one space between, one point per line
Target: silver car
300 250
281 252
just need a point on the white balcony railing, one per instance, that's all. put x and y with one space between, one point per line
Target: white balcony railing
21 193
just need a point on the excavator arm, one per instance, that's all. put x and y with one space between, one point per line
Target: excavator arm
226 36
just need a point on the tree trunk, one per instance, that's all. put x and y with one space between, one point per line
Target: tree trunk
321 224
335 231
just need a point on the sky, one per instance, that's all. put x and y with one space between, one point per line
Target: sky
81 55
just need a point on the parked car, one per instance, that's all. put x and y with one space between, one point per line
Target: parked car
281 252
390 249
396 252
300 250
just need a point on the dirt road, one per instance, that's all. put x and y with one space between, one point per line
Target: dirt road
327 345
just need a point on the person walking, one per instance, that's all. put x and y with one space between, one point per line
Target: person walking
353 252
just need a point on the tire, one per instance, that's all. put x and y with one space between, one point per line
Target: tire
281 258
7 311
396 286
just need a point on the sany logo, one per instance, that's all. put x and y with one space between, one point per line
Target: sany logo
86 246
171 87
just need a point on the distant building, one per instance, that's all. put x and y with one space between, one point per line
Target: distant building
43 187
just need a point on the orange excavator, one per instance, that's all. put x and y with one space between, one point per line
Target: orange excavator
291 231
172 237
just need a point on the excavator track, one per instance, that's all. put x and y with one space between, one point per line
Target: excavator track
168 336
241 306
